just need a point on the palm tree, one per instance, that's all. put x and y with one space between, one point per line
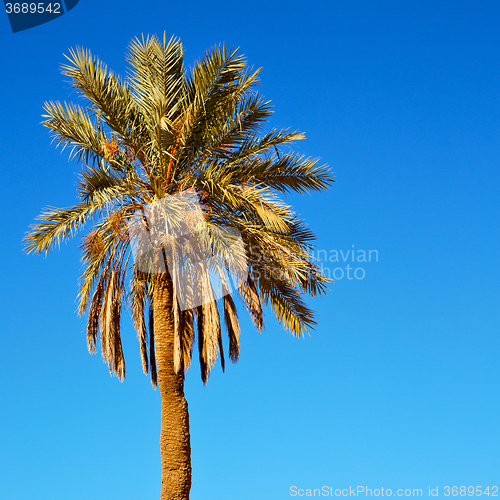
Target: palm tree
163 131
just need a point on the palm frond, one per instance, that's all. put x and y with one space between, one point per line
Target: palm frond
72 126
57 224
108 96
208 332
233 327
290 172
287 304
138 298
250 296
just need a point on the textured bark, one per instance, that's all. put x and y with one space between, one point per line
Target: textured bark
174 439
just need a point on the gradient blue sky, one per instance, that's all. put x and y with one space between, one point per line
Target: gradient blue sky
399 385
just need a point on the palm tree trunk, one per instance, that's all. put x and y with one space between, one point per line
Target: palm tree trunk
174 439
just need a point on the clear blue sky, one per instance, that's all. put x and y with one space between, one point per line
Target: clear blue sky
399 385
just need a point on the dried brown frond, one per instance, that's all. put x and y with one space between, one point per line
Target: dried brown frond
118 364
96 309
201 343
208 336
110 325
118 223
221 348
187 337
93 244
233 327
251 298
138 293
93 319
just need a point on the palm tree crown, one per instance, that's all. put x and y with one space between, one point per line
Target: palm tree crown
163 131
